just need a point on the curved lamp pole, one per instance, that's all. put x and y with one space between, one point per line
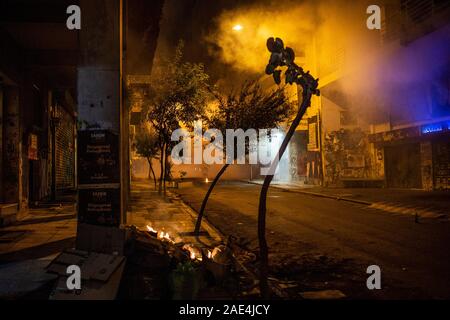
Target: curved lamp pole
281 56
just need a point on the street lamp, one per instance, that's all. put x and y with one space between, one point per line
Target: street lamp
279 57
238 27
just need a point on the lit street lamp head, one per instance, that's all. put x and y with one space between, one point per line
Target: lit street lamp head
281 56
238 27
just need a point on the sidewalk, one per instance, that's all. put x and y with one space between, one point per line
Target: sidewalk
39 233
168 214
45 231
426 204
28 246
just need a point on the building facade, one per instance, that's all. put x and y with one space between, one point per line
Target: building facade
37 105
385 99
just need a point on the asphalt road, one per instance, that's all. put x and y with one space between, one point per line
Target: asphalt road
343 239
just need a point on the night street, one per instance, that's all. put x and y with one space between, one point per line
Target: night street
248 156
414 258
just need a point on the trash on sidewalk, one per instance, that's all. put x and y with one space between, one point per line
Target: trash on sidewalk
191 271
219 262
100 275
153 258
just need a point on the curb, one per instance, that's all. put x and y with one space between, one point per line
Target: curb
376 205
208 226
315 194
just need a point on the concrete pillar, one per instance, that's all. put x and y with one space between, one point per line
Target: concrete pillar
1 141
100 165
11 181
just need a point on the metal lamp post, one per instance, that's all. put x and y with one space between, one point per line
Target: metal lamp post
281 56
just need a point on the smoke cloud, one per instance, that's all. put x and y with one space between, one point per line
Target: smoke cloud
245 49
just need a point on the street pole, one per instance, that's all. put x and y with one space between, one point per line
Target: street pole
281 56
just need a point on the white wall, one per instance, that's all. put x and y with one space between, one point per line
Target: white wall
234 172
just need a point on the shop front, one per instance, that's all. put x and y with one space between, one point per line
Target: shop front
416 157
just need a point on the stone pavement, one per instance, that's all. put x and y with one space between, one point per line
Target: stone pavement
424 204
29 245
168 214
46 231
39 233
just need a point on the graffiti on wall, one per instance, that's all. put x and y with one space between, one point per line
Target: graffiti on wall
347 155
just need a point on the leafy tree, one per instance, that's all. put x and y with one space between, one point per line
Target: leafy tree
147 146
249 108
178 96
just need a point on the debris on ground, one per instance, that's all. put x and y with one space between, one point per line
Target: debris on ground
323 295
186 269
155 266
100 275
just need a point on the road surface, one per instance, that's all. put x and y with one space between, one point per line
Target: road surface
328 244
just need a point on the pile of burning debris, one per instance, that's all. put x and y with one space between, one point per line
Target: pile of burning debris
189 271
155 266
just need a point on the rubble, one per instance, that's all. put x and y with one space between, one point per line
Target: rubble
192 271
155 266
100 276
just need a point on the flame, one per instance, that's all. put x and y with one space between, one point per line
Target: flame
215 252
165 236
206 180
151 229
209 254
192 252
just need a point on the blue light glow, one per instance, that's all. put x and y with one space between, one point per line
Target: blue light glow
435 127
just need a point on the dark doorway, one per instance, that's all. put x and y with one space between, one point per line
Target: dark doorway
33 183
402 163
441 164
298 153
